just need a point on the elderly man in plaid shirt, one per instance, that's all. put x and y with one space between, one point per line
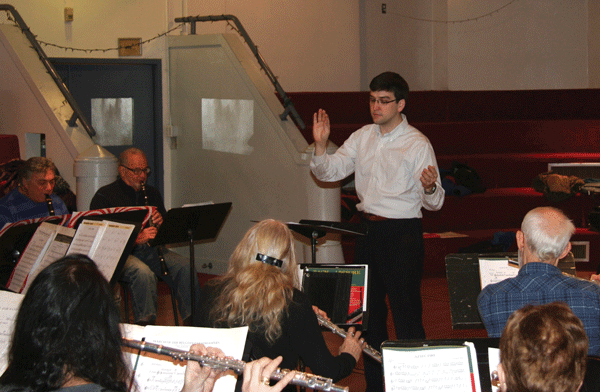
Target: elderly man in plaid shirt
542 241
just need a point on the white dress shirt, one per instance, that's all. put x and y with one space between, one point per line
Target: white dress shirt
387 170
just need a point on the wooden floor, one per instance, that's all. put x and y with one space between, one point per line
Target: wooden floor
436 319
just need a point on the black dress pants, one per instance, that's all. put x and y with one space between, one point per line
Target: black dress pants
394 251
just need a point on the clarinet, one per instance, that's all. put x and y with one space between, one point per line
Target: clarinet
50 206
370 351
305 380
164 271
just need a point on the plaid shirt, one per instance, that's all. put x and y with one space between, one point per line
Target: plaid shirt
536 284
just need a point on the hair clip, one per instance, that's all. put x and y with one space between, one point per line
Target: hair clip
269 260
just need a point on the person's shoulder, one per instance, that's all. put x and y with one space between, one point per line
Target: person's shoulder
85 388
107 187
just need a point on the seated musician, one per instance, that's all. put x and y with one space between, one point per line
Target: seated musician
67 338
259 291
36 180
543 240
543 348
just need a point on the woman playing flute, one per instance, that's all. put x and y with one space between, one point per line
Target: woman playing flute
67 338
259 291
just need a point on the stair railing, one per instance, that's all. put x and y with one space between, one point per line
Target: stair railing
77 113
287 102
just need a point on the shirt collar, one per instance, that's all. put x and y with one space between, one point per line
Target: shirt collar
539 267
400 129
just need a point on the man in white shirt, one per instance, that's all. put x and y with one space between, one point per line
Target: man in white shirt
396 175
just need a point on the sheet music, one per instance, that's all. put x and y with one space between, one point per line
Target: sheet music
109 247
56 249
430 368
9 306
84 238
32 255
166 375
494 270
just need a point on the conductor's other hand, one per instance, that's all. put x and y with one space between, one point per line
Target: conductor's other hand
321 130
428 178
256 376
146 235
353 344
201 378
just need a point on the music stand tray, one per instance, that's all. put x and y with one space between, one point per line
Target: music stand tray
315 229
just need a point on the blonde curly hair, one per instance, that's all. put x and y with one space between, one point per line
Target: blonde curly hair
254 293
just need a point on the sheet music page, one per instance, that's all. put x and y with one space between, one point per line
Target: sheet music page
85 236
109 247
428 368
9 306
57 249
166 375
32 255
494 270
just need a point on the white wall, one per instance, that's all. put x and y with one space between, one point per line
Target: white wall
339 45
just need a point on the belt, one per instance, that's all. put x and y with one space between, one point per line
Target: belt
373 217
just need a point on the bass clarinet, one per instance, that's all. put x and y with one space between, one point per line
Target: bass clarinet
164 271
305 380
370 351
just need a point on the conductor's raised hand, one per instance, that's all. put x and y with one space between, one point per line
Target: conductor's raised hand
321 130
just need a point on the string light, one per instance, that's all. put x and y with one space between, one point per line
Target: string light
454 21
104 50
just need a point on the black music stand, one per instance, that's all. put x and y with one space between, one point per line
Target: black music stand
315 229
189 224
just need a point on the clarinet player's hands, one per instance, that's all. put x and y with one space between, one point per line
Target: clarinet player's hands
146 235
353 344
201 378
256 376
157 218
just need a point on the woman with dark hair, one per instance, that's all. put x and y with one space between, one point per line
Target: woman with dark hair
544 349
259 291
66 336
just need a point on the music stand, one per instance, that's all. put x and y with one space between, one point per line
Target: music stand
315 229
189 224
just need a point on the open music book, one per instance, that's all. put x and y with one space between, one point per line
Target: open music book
159 373
430 367
102 241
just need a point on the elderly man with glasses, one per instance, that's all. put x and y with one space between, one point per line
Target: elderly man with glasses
146 262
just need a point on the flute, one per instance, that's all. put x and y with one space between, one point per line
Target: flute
305 380
370 351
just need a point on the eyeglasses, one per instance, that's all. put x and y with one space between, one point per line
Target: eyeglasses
373 100
138 172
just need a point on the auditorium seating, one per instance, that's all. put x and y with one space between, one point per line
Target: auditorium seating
508 137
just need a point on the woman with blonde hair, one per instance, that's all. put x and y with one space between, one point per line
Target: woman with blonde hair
260 291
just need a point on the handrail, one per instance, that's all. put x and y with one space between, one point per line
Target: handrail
287 102
77 113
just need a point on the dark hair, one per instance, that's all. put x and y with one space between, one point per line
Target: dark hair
67 326
544 348
390 81
35 165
